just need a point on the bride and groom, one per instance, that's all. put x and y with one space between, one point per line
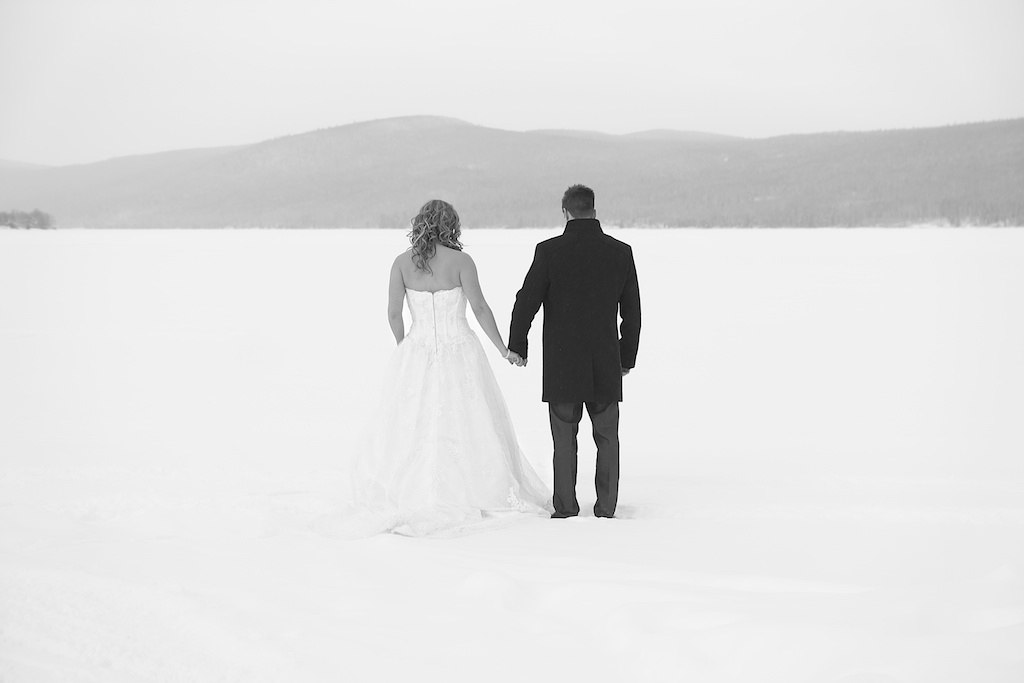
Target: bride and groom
441 455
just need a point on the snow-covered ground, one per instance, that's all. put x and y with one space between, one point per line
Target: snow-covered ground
822 471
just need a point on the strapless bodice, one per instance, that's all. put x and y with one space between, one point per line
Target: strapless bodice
438 317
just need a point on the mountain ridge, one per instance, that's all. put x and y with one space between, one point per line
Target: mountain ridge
377 173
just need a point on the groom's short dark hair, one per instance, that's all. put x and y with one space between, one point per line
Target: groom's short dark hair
578 200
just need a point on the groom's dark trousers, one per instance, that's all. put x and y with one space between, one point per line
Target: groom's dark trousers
565 425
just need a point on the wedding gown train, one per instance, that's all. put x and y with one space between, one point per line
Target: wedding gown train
440 455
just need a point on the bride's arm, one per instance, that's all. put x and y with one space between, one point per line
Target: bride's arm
484 316
396 295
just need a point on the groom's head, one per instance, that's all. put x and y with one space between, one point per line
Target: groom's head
578 202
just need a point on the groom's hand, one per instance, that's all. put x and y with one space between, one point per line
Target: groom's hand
625 371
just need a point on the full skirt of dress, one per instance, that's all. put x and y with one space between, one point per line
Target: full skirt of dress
440 456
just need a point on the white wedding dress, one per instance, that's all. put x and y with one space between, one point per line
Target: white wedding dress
440 456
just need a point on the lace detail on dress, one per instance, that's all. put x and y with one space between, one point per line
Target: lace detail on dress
514 501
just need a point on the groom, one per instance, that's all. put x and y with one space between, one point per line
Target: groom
585 279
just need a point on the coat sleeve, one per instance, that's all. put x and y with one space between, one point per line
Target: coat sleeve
629 310
528 301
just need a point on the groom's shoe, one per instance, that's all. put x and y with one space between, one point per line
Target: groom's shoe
563 515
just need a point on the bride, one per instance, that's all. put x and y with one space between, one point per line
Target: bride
440 456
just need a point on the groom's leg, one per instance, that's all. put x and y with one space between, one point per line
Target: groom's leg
565 425
605 420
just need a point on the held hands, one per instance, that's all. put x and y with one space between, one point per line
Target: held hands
515 359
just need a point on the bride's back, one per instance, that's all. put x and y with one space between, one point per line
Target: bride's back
444 270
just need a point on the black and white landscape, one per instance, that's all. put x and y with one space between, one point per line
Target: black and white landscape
822 477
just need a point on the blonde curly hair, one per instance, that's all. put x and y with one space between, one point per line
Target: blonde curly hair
437 220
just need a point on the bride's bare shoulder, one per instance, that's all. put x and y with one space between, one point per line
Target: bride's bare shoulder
402 264
466 264
458 254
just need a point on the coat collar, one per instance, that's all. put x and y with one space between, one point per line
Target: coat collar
583 226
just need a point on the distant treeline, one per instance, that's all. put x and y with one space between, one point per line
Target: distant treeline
26 219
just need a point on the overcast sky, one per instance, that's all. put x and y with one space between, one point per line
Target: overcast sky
86 80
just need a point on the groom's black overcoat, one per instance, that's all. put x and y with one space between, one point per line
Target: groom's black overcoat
585 279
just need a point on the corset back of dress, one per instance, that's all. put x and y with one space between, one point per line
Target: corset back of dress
438 317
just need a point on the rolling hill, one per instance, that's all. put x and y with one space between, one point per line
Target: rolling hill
377 173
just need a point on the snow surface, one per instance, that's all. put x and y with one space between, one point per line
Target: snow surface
821 467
